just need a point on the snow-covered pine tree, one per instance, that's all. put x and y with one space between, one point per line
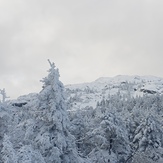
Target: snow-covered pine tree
8 153
54 140
27 154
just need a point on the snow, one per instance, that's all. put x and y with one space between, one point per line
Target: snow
88 94
113 119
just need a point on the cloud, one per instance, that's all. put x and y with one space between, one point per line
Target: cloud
86 39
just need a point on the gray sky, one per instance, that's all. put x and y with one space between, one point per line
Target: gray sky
86 39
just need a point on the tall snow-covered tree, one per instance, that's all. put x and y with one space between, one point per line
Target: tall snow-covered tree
54 139
40 130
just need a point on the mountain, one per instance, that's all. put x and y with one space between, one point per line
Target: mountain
119 119
88 94
110 120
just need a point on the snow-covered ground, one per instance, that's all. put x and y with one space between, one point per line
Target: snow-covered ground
88 94
105 122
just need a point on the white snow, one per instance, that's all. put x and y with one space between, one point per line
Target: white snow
88 94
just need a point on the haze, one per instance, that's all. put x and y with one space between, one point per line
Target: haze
86 39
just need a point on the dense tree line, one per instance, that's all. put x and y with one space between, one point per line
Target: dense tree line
121 130
45 128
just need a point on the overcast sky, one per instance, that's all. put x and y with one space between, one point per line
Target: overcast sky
86 39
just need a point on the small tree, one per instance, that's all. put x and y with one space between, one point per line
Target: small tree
3 93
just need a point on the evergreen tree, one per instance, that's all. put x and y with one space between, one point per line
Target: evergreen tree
54 139
8 153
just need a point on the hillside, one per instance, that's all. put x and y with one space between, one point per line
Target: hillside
118 119
110 120
88 94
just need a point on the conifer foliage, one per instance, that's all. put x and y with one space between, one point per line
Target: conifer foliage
119 121
39 130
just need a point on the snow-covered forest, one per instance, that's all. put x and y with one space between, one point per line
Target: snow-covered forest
111 120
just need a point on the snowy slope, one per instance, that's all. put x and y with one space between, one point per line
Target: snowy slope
88 94
104 134
84 95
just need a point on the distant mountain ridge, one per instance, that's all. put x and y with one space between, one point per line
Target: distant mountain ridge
88 94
